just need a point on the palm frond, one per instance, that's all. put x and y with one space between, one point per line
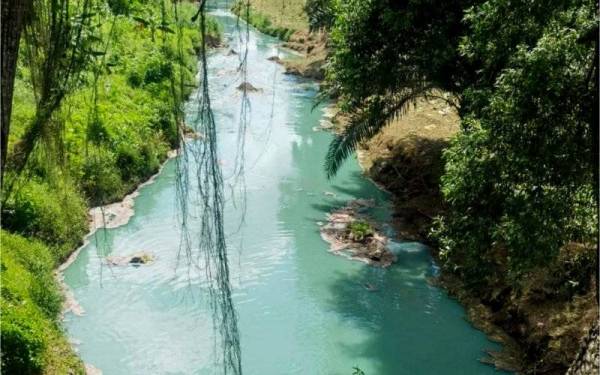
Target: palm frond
366 123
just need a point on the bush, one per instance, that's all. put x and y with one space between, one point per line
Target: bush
101 180
54 214
119 7
22 346
139 162
30 302
164 123
157 70
360 230
128 161
134 78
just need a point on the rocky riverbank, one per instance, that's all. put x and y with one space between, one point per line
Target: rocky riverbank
541 320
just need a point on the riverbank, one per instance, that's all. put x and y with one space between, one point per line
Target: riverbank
540 327
45 218
406 160
294 299
288 22
109 216
539 320
280 20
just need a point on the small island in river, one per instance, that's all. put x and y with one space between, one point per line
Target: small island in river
351 233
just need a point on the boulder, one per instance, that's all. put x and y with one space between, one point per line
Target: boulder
248 87
136 259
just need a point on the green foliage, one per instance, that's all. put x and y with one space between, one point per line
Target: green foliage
261 22
519 181
320 14
519 178
119 7
55 214
118 137
22 347
111 129
101 180
157 70
30 300
387 54
571 273
360 230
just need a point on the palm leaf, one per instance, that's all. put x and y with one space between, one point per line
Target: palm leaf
366 123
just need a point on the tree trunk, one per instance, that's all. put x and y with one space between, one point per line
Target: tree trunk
13 18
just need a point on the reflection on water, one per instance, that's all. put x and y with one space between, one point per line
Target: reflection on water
301 310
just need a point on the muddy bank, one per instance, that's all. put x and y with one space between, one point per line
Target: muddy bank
540 325
313 49
405 159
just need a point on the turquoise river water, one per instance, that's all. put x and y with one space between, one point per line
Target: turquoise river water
301 309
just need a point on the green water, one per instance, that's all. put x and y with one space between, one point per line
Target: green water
301 310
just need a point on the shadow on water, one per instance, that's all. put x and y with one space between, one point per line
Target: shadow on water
412 327
394 321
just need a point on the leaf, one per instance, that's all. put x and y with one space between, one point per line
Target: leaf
96 53
86 15
166 29
141 20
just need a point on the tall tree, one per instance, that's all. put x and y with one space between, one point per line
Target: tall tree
386 55
13 21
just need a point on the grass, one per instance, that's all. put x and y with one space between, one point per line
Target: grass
113 148
32 340
279 18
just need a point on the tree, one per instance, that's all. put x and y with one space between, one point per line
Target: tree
386 55
520 178
14 14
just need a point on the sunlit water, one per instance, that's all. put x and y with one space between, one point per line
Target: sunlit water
301 309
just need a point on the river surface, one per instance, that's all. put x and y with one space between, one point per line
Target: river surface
301 309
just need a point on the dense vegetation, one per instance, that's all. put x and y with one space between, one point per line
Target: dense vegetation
32 341
110 129
520 182
520 176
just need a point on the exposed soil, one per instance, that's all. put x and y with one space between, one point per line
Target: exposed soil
313 47
540 325
405 158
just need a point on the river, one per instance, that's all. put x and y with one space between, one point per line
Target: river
301 309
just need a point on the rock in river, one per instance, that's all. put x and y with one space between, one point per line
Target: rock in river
135 259
247 86
350 233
